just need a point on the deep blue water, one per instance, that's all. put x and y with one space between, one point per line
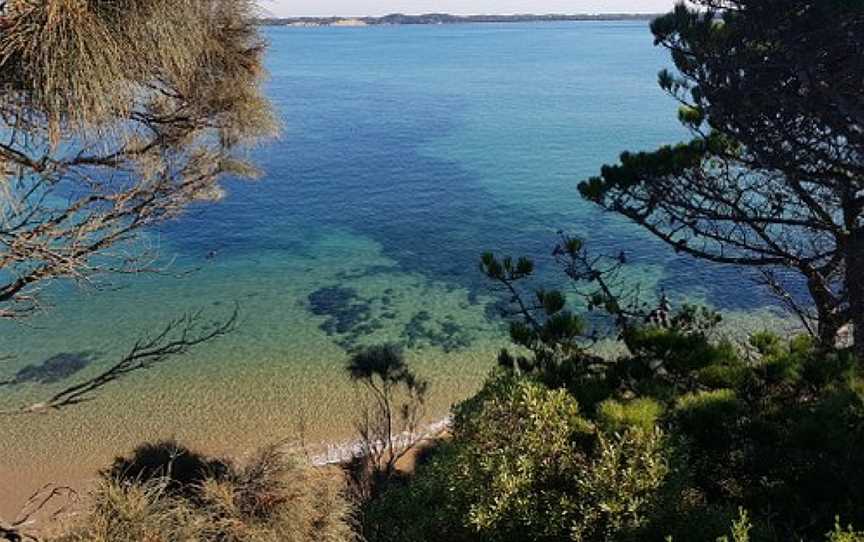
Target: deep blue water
440 142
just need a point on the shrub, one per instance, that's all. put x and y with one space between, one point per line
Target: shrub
524 464
389 422
848 534
678 351
179 469
528 466
270 499
135 512
641 414
618 489
740 529
430 507
708 416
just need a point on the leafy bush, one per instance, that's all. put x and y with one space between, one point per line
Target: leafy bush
708 416
429 507
520 444
615 417
740 529
523 465
779 433
847 534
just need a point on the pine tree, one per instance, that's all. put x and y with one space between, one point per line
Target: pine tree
773 179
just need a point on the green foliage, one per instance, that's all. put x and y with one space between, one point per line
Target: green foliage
677 436
539 435
543 325
741 528
679 352
432 506
782 440
616 417
708 416
760 108
801 361
848 534
527 463
783 363
689 116
505 268
619 489
730 373
528 466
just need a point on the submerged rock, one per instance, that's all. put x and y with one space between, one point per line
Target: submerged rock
447 335
343 307
54 369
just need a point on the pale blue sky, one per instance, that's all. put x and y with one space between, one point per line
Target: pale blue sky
298 8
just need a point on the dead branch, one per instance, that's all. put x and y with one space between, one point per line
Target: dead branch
177 338
36 504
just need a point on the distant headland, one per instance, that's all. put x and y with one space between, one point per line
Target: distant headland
444 18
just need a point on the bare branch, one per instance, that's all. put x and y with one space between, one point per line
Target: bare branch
177 338
36 504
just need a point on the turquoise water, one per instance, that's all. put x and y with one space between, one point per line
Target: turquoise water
406 152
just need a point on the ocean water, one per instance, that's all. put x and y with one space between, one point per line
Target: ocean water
406 152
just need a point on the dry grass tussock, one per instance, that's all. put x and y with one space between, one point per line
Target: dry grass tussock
271 498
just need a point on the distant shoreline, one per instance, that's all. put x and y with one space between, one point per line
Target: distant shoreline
443 18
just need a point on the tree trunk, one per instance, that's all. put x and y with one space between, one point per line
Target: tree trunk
826 304
855 288
828 333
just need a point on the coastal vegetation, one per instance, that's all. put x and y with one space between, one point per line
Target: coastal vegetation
680 433
671 438
391 414
772 177
166 492
686 434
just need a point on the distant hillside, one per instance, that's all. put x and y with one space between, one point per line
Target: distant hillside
444 18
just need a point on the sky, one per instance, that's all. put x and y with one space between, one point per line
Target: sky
311 8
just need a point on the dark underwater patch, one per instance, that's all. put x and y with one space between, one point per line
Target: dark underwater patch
344 308
351 318
52 370
423 330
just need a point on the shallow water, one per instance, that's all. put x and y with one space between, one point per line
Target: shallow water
406 152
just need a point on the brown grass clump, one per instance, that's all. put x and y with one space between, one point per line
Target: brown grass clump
270 499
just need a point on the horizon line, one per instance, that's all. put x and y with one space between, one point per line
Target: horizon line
420 14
